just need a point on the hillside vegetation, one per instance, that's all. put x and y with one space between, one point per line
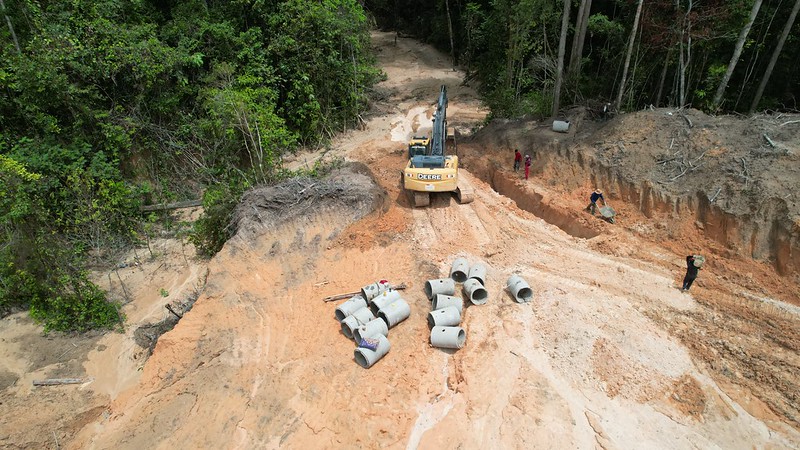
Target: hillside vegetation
105 106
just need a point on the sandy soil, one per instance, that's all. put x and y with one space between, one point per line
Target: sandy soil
610 353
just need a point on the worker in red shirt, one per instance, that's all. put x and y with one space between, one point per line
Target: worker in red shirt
527 165
517 159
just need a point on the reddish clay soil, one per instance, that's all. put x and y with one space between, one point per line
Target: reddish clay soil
609 354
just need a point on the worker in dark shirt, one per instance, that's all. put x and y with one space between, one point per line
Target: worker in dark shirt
517 159
596 195
691 272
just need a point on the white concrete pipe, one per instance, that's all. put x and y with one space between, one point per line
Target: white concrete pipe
444 286
355 320
519 289
370 329
459 270
347 308
561 126
475 292
445 317
448 337
478 271
395 312
371 291
443 301
366 357
383 299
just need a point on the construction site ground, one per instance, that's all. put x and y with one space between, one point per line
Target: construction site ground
609 354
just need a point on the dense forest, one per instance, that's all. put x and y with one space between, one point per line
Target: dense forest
716 55
109 105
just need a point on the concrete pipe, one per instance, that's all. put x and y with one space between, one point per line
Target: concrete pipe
478 271
448 337
561 126
458 272
395 312
383 299
443 301
355 320
347 308
366 357
371 291
519 289
445 317
444 286
370 329
475 292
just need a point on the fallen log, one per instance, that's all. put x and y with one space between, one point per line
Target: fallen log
170 206
399 287
57 381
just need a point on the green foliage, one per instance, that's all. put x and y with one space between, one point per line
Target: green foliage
213 228
77 305
178 97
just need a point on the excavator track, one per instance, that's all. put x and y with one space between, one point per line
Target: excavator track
464 195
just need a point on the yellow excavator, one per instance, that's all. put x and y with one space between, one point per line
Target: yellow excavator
430 167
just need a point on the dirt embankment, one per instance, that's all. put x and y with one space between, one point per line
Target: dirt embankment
737 179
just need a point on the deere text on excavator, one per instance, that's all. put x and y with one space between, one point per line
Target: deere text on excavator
431 167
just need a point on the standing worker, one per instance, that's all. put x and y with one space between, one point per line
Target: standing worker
596 195
517 159
527 166
693 264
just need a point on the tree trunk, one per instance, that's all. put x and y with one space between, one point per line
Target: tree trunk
450 29
628 53
10 27
663 78
581 24
737 52
562 48
685 56
768 73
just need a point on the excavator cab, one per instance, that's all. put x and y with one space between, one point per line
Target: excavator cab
419 146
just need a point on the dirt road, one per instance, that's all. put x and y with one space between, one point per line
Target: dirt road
610 353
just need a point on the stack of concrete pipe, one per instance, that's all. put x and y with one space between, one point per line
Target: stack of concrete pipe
444 320
368 316
447 309
473 280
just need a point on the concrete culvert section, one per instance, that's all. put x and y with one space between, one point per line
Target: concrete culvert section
446 286
519 289
349 307
459 270
446 317
370 329
443 301
366 358
448 337
478 272
371 291
383 300
355 320
395 312
475 292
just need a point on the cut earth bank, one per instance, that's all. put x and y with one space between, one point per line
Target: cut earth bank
610 353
